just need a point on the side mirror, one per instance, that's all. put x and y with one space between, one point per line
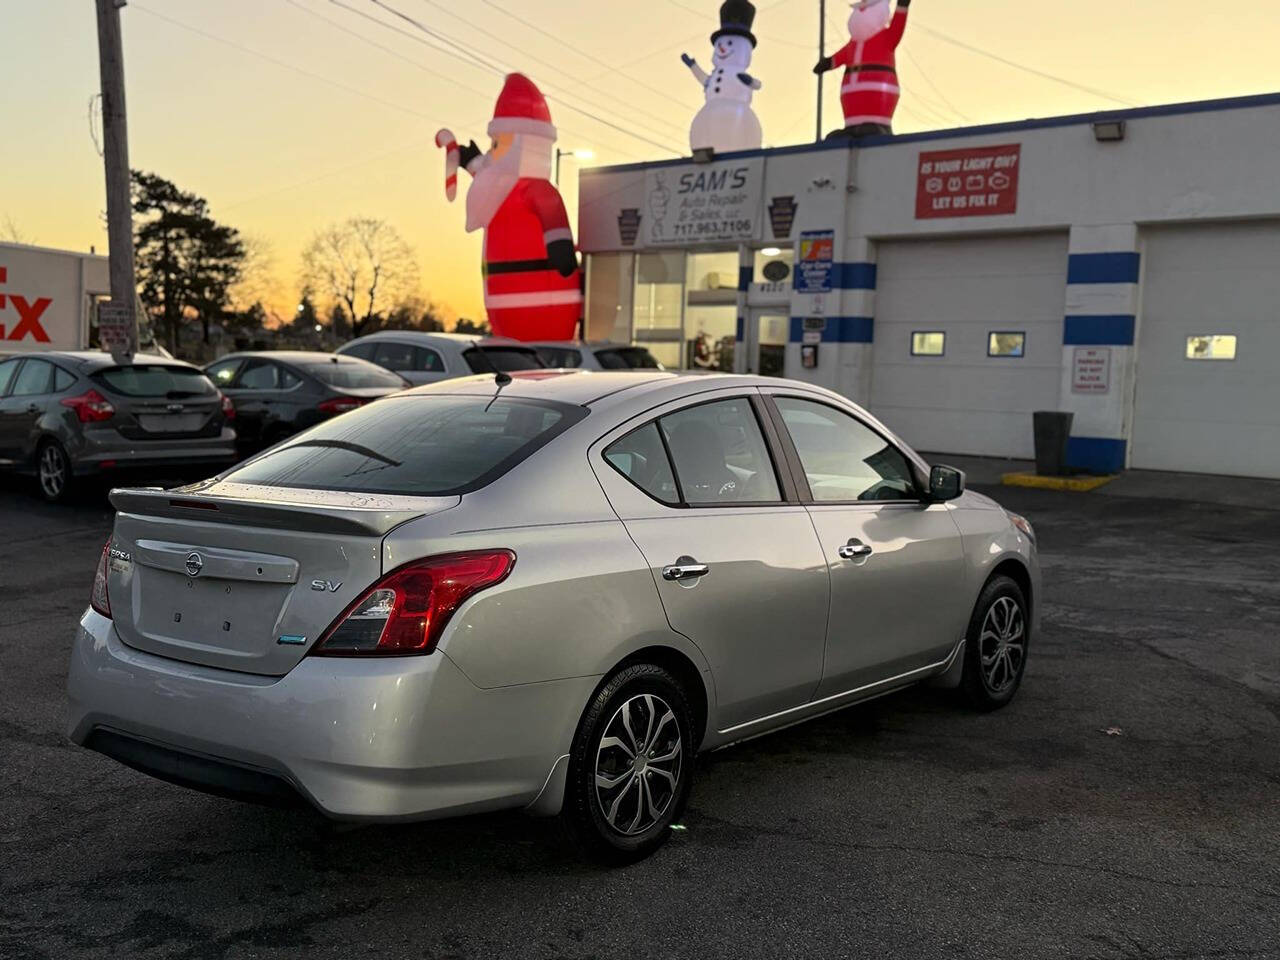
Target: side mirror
945 483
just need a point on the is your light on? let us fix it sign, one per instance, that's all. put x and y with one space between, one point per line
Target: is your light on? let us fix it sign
973 182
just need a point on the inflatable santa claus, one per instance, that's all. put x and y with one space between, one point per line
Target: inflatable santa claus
532 286
870 90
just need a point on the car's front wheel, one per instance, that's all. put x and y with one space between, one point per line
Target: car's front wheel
995 655
631 766
53 471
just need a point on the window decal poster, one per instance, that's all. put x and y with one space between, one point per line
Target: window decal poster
816 261
974 182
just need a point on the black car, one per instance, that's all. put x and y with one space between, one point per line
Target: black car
65 415
278 393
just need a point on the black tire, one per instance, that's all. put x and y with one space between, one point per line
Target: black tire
648 694
993 684
54 478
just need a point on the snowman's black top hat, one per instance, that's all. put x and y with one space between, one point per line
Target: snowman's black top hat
736 18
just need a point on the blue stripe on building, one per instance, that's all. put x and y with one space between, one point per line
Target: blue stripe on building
1105 331
1096 454
838 330
742 330
1104 267
744 278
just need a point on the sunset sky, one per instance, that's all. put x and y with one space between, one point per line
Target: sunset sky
286 122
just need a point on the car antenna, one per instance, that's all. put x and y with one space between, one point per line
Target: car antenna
500 377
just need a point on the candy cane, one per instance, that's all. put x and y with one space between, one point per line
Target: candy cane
449 143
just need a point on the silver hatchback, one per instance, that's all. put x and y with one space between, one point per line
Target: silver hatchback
545 591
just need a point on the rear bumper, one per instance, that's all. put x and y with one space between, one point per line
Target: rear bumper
118 453
393 739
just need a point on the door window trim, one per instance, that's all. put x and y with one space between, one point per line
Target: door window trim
796 465
789 494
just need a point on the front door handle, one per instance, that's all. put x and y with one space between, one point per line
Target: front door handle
855 549
686 568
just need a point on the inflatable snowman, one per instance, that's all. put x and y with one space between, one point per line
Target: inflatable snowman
726 122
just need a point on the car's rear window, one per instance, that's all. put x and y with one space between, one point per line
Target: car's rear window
353 375
504 359
414 445
155 380
627 358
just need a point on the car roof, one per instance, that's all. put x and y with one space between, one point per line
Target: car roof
424 337
584 344
99 359
290 356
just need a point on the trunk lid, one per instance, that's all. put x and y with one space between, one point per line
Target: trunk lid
244 577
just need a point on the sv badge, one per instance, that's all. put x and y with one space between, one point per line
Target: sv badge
326 586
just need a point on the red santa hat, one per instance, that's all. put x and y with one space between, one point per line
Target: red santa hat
522 109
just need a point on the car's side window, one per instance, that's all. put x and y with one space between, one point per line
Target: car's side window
394 356
288 379
362 350
7 370
259 375
62 379
428 361
719 454
224 372
641 458
844 459
34 379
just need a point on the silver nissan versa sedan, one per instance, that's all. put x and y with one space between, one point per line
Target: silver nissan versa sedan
545 591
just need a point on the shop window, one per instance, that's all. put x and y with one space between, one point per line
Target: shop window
1004 343
710 335
715 273
930 343
774 265
1217 346
610 289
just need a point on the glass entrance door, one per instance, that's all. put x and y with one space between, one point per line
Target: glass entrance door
767 349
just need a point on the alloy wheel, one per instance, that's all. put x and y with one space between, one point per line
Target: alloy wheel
1002 644
53 471
638 764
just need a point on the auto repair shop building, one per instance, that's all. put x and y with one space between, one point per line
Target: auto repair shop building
1124 266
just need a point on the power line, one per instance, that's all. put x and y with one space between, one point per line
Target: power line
1021 66
430 46
284 65
933 86
461 47
613 70
547 63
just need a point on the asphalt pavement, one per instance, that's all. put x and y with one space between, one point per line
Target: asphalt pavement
1126 805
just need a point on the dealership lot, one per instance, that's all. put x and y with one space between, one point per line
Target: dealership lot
1127 804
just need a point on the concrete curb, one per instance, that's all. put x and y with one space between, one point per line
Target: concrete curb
1073 484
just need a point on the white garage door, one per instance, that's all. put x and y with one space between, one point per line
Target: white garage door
965 400
1199 413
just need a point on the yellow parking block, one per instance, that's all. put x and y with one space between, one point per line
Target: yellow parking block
1074 484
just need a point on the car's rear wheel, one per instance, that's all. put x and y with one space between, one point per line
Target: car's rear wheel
53 471
631 766
995 655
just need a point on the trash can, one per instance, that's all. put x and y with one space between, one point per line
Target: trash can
1052 428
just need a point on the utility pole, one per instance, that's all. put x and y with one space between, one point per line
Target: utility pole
822 52
116 156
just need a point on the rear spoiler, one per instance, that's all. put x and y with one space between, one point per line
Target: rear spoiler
302 510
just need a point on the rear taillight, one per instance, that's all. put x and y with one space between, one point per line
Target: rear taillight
91 407
406 611
228 408
337 405
98 598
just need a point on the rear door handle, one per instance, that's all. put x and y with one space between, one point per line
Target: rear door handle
33 408
855 549
686 568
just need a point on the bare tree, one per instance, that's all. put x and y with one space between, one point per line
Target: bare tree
362 265
259 282
10 232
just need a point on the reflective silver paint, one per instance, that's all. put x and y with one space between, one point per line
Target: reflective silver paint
779 628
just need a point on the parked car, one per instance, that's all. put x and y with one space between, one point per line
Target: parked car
65 415
278 393
431 357
545 591
597 355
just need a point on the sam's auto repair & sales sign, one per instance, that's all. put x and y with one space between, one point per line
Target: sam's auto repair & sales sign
974 182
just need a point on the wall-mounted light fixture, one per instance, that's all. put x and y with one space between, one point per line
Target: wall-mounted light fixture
704 155
1108 131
